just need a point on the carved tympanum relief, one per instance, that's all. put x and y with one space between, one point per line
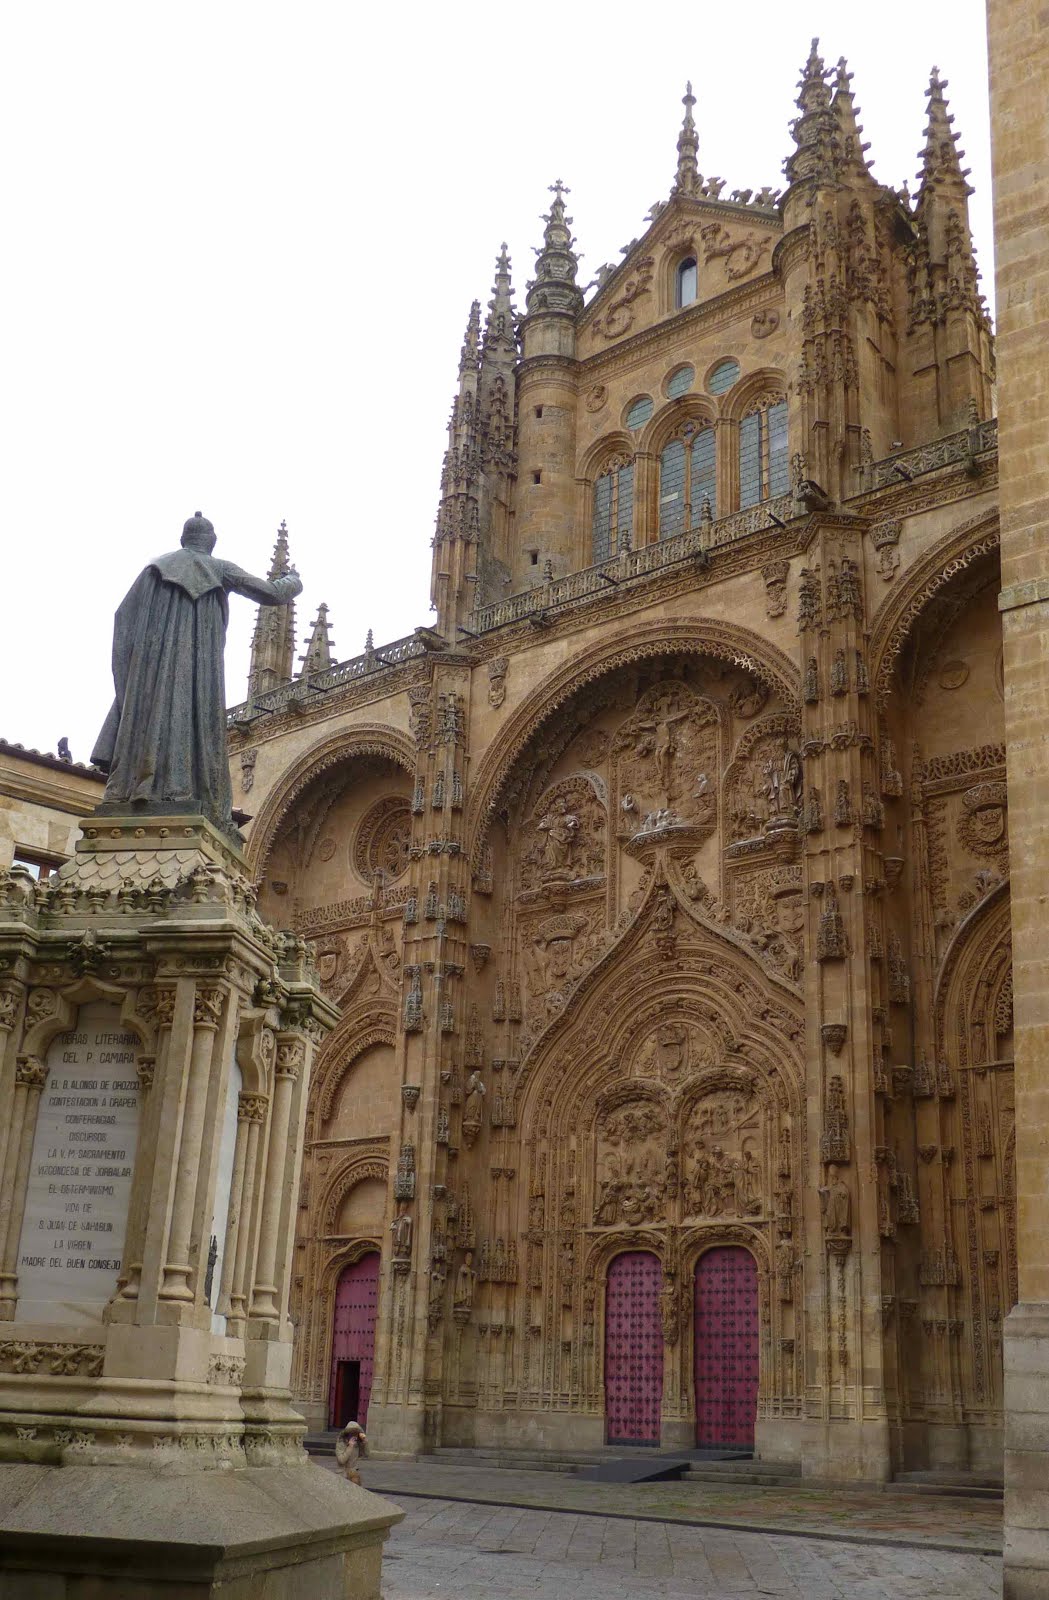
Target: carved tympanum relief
666 760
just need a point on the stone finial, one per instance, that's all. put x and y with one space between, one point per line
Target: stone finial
318 657
471 341
816 131
273 641
500 323
688 178
280 562
941 159
554 288
853 148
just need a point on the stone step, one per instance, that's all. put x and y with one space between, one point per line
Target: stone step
962 1485
756 1474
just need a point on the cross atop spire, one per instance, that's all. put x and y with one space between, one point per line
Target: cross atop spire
687 180
941 158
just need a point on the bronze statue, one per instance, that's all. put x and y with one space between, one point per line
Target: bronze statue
163 745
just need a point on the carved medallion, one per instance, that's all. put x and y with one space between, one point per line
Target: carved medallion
384 839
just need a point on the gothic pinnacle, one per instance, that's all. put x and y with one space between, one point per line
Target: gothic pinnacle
554 287
687 181
941 159
813 93
471 340
499 325
281 561
853 148
318 657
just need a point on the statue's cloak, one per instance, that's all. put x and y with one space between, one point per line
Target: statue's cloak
163 743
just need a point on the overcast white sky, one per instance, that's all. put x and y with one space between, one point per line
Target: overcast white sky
241 241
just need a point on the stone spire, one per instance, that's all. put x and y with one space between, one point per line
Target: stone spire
850 133
471 342
458 511
273 642
688 180
941 159
499 353
554 289
816 131
318 657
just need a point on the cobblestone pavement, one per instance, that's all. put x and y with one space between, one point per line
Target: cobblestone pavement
949 1523
484 1552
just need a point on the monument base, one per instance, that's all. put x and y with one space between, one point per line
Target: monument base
257 1533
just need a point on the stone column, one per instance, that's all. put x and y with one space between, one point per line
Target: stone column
207 1007
251 1114
1019 61
30 1077
265 1302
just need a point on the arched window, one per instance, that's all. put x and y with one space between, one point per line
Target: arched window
686 479
687 283
613 508
764 470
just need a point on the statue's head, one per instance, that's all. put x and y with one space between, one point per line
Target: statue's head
199 534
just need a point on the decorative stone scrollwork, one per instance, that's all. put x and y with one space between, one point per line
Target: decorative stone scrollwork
27 1356
831 943
291 1056
775 574
252 1107
31 1072
404 1179
207 1007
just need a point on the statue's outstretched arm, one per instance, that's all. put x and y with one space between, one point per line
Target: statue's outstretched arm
268 592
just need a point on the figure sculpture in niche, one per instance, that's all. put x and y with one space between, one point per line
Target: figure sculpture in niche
464 1282
837 1205
163 744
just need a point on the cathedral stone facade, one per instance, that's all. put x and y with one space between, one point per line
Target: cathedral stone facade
662 884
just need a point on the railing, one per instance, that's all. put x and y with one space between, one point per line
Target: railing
945 452
632 564
300 690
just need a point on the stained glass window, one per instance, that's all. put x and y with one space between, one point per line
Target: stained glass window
687 282
686 478
723 377
640 411
764 466
613 510
680 382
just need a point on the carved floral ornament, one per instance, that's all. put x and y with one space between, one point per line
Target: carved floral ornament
383 839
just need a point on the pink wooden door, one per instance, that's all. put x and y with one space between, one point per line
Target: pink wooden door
356 1306
633 1349
726 1336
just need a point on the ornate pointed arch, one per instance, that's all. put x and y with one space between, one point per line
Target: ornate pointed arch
362 1027
340 749
368 1163
972 999
725 641
931 573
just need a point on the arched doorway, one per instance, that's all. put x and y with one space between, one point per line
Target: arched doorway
633 1349
726 1340
353 1341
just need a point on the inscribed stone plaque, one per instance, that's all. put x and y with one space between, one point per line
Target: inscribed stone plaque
80 1172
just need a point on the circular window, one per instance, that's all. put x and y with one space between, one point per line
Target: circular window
639 411
723 376
384 839
680 382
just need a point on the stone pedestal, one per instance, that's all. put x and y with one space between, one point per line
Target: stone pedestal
155 1048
